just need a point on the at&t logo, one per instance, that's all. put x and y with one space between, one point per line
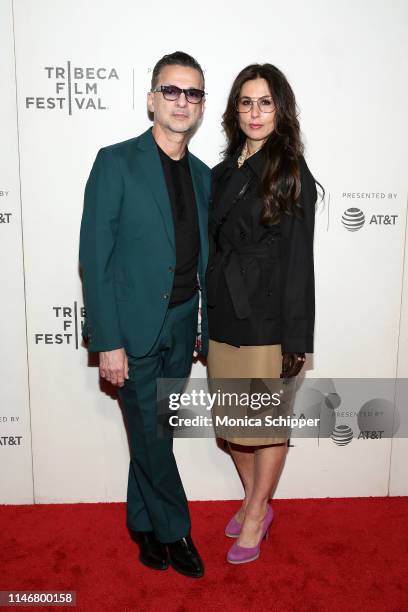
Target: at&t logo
10 440
342 435
353 219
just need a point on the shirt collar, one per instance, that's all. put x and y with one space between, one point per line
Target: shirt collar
183 161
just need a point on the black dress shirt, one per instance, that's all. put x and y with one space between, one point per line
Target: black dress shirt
186 230
260 280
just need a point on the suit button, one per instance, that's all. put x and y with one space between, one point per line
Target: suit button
270 240
270 292
211 268
242 270
242 235
165 296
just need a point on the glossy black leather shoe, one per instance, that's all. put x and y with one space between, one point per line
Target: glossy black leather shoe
184 558
152 552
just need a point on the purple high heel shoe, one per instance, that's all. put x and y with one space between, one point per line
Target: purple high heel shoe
233 529
242 554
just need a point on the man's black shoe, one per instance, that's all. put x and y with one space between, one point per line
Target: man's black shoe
152 552
184 558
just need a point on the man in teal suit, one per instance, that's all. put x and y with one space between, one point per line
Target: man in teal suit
143 254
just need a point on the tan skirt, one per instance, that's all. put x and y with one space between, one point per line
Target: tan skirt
230 362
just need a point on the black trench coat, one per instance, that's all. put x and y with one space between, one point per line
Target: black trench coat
259 280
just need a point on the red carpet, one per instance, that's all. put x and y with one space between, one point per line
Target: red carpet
321 555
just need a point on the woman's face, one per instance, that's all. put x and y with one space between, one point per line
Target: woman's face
256 124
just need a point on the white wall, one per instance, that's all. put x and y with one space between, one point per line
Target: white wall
16 475
399 454
344 61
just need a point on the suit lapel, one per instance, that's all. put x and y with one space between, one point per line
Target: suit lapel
151 166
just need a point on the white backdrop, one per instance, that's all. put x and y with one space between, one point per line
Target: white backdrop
16 473
82 73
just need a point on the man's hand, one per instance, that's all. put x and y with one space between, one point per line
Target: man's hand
113 366
292 363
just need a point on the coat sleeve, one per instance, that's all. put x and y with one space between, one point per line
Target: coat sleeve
297 271
100 220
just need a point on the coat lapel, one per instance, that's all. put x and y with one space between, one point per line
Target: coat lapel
151 165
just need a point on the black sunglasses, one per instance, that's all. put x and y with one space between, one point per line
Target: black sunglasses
172 93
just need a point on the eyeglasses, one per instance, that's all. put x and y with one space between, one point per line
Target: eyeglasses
265 104
172 93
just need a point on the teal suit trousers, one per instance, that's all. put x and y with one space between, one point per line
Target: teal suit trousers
156 500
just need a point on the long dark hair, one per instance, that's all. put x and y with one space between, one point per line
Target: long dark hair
280 183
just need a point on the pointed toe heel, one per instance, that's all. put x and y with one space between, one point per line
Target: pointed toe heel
233 529
241 554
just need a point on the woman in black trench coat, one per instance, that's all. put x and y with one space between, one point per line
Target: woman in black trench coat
260 276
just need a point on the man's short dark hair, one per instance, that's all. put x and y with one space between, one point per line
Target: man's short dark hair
178 58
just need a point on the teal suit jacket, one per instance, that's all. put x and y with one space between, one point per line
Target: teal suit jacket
127 246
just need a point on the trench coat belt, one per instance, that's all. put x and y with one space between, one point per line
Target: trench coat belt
231 259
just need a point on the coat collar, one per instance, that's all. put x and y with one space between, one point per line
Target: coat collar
146 142
256 162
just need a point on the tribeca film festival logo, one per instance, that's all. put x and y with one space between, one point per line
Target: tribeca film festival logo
354 218
5 217
70 321
74 88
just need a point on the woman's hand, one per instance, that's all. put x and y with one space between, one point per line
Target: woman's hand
197 356
292 363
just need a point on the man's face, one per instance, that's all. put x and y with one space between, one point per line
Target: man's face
178 115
